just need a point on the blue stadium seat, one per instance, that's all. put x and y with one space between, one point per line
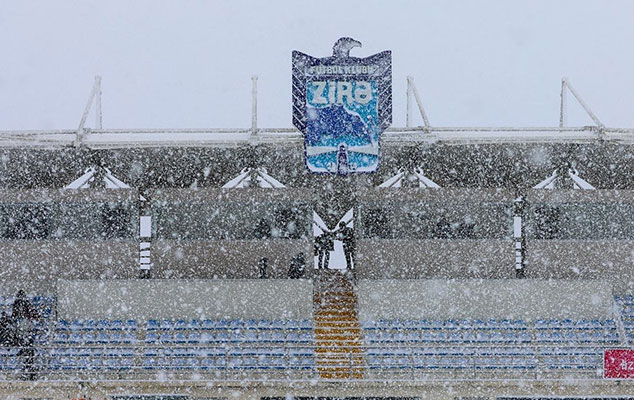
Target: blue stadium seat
117 324
89 338
62 325
194 338
165 338
180 325
207 337
165 325
208 324
222 336
179 338
149 363
208 364
103 338
151 338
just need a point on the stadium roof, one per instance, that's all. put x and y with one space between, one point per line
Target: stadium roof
99 138
125 138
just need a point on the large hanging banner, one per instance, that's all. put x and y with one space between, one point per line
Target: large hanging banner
342 104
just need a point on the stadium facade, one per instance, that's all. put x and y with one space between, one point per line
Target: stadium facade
488 263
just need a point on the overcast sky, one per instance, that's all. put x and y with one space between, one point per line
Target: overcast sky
187 64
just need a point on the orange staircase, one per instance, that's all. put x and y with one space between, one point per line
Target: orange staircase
338 349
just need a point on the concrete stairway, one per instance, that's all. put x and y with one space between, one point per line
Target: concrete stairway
338 349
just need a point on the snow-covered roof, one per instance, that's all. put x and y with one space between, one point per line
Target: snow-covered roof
555 181
88 180
248 175
416 176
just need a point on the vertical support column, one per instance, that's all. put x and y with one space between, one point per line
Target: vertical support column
145 238
408 122
98 119
519 235
254 105
562 104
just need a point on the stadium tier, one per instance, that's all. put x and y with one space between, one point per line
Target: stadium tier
394 336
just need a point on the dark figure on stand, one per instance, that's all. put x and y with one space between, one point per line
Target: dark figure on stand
7 330
297 267
27 353
346 235
23 313
324 244
263 265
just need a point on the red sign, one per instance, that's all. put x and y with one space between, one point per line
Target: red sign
618 364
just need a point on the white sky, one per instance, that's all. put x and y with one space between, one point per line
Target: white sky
187 64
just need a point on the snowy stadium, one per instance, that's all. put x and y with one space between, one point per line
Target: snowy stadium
485 263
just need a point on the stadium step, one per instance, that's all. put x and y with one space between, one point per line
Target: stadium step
338 350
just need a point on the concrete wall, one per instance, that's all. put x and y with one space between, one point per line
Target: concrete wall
435 259
610 260
579 196
35 265
391 386
232 259
156 299
483 299
67 195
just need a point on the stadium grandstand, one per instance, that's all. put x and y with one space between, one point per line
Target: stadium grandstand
485 263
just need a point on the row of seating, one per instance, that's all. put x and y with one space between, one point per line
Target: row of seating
441 337
491 324
484 363
605 333
471 351
92 338
246 336
172 351
128 362
99 325
124 362
205 351
195 324
206 337
385 337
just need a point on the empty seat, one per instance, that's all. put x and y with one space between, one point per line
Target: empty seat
165 338
180 325
151 338
207 363
179 338
194 324
117 325
207 337
194 337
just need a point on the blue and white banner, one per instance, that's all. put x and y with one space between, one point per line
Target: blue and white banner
342 104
